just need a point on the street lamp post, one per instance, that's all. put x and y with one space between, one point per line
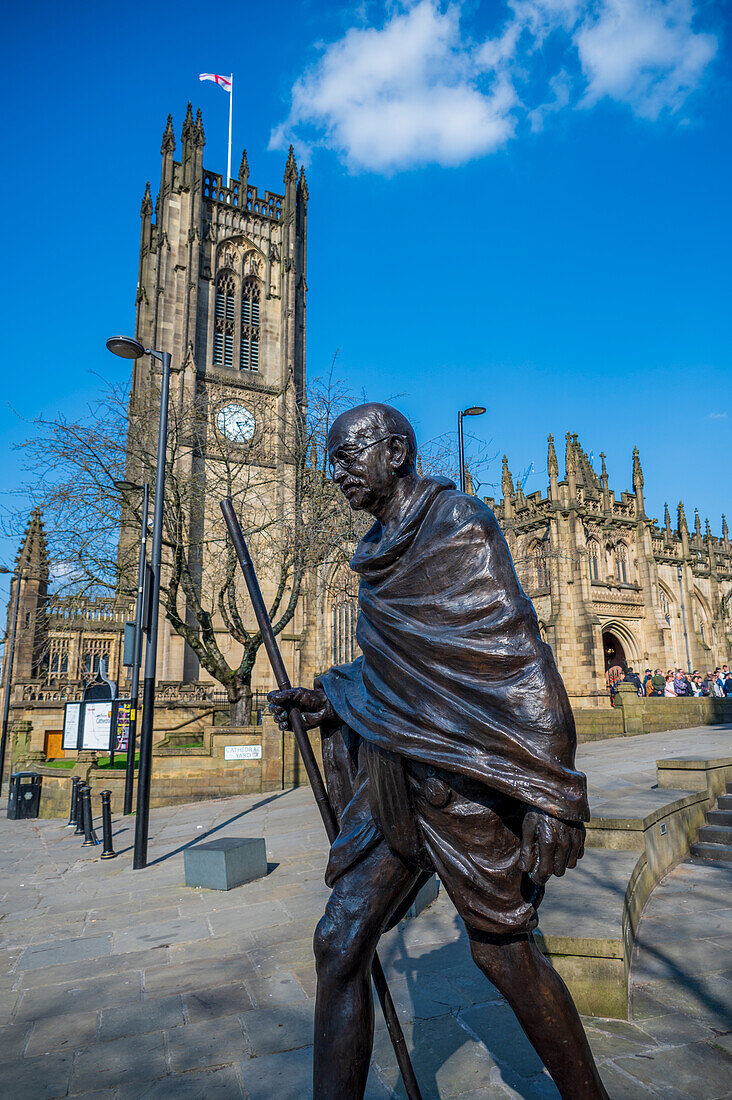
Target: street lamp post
128 348
8 670
474 410
126 486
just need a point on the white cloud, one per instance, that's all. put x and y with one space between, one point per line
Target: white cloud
403 94
643 53
418 90
718 416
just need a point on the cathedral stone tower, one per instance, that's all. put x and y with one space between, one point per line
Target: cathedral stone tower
31 573
222 287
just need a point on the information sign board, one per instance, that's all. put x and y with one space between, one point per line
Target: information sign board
97 729
72 720
122 726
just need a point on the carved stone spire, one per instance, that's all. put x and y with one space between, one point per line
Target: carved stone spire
291 167
551 459
682 524
697 523
469 482
146 208
303 185
570 464
507 480
707 531
199 137
725 532
667 521
168 145
244 167
637 471
187 130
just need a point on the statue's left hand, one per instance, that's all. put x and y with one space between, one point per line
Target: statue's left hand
549 845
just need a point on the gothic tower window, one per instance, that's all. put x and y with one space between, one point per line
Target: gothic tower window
665 605
593 552
223 349
58 664
621 563
249 349
345 646
538 552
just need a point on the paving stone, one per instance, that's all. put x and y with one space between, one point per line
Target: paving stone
64 951
271 1030
218 1084
13 1038
288 1076
206 1043
450 1060
179 930
278 989
497 1027
62 1033
120 1063
199 974
71 997
150 1014
695 1072
91 968
208 1004
621 1086
36 1078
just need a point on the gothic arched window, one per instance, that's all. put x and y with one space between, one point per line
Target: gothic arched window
621 562
223 349
539 554
249 347
665 605
593 552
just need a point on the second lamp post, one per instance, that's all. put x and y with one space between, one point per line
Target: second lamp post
129 348
474 410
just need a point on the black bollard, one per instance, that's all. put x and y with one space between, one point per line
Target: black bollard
74 808
90 837
109 852
79 830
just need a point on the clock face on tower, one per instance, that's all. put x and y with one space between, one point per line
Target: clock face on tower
236 423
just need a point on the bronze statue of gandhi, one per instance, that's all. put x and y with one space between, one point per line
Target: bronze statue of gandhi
448 747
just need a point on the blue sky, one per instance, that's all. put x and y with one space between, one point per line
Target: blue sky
520 205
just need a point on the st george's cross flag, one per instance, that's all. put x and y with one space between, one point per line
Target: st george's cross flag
222 81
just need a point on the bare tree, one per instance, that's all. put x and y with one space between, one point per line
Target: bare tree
274 469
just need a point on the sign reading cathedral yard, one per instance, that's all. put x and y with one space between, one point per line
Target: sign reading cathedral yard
242 752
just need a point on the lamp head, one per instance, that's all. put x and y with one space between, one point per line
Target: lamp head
127 486
126 347
474 410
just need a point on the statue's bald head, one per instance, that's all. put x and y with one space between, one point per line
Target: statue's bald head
370 421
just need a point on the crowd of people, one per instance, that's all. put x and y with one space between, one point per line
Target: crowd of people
674 683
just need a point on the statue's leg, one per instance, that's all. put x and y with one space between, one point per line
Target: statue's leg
545 1011
361 902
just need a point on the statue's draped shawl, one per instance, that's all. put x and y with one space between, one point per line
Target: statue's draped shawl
454 673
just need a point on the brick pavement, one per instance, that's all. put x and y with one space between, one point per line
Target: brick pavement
119 984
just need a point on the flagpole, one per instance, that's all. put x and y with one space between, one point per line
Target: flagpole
228 165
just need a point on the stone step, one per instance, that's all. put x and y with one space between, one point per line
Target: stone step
725 802
719 817
715 834
712 851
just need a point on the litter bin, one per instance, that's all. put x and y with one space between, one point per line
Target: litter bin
25 795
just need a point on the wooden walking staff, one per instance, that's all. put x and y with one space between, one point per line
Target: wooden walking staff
316 780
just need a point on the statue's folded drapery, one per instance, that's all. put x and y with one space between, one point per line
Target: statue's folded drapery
454 673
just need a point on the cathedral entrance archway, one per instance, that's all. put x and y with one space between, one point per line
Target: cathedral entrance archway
620 648
613 650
